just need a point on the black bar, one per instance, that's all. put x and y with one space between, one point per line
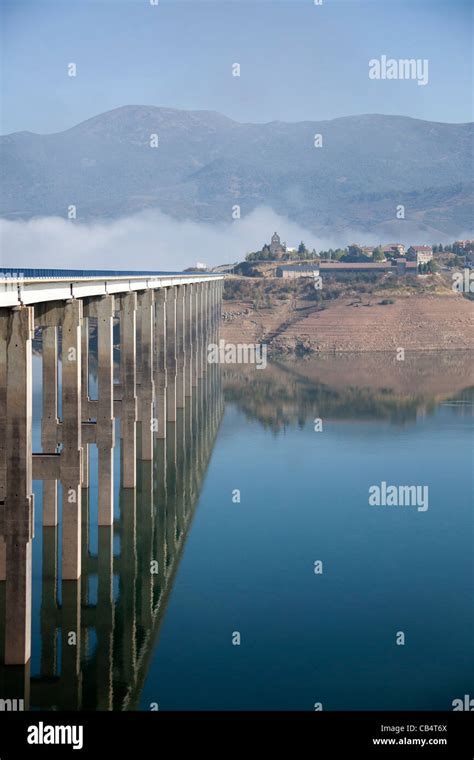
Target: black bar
304 734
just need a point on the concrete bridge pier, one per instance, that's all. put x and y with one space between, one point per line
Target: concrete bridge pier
189 340
85 403
71 645
145 389
159 579
127 568
49 609
207 333
188 357
16 511
128 434
145 516
199 322
160 362
105 619
49 421
105 433
171 365
195 334
215 339
3 433
71 428
180 346
171 496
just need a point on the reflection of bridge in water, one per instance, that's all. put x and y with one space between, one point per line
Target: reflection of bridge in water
97 637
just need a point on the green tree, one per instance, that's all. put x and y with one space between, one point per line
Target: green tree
378 254
301 248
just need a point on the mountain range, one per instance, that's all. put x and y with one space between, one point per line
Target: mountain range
205 164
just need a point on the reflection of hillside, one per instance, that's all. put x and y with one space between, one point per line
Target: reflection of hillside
369 386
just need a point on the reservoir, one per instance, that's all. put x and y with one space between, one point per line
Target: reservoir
254 519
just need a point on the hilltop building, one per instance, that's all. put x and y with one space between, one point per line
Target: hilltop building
394 248
400 266
356 250
277 248
420 253
292 271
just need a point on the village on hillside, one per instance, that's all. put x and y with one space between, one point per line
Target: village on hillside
358 298
412 259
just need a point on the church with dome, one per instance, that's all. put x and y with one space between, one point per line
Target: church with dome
277 248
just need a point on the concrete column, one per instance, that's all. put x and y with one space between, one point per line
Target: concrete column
105 434
195 334
146 388
180 346
19 501
85 465
189 340
180 490
160 361
171 366
160 491
49 609
219 311
188 443
4 322
207 336
145 513
171 497
212 339
71 697
71 437
218 307
128 583
105 620
85 395
49 422
85 361
200 323
128 310
215 286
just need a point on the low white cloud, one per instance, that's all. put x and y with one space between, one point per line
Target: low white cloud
148 240
152 240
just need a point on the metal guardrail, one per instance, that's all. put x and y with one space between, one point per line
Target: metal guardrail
49 274
29 286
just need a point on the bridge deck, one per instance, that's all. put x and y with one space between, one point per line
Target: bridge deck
29 286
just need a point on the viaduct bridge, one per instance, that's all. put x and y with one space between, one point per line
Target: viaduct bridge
145 334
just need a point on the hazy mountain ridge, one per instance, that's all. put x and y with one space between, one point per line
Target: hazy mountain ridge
206 163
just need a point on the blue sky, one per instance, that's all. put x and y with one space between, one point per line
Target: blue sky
298 61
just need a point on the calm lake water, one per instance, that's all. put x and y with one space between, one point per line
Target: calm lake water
166 638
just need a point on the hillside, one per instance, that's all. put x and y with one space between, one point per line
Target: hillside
374 313
205 163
